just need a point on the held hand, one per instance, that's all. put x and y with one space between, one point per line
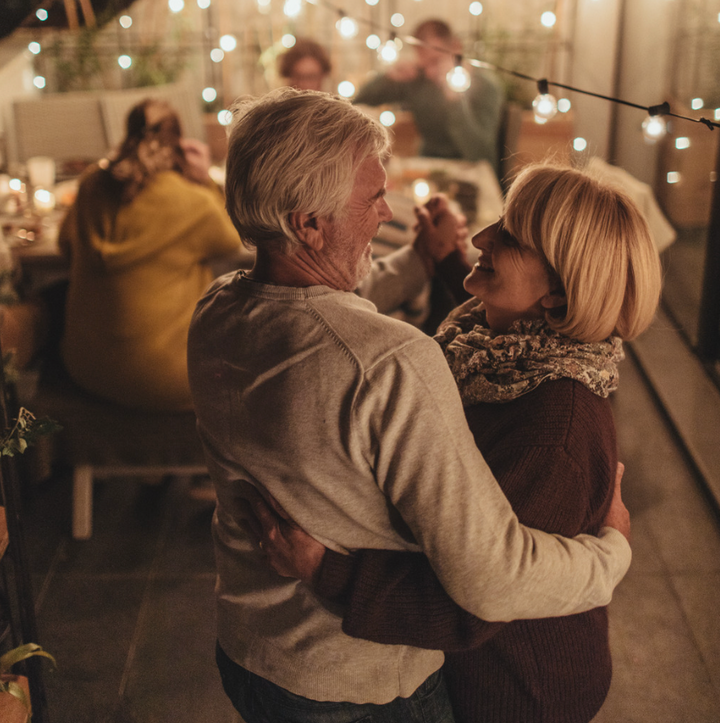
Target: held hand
439 232
403 71
617 515
197 157
289 550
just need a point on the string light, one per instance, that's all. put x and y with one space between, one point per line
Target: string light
458 78
389 51
421 190
288 40
41 14
292 8
203 4
372 2
682 142
34 48
39 81
176 5
697 103
347 27
346 89
228 43
124 61
579 144
209 94
125 21
217 55
476 9
373 41
548 19
397 20
564 105
673 177
544 105
225 117
387 118
654 128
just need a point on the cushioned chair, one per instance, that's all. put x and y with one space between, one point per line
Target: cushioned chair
101 439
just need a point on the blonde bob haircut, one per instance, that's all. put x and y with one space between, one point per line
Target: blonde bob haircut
596 242
294 151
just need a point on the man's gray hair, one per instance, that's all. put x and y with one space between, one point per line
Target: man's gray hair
294 151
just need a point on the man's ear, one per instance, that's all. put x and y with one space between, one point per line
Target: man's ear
554 299
307 229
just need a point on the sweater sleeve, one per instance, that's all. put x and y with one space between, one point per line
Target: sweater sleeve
395 597
394 279
474 122
379 90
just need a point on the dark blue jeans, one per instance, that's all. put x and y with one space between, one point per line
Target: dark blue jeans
260 701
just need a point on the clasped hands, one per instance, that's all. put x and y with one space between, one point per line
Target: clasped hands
439 231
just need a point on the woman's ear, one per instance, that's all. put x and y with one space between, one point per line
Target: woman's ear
307 229
553 300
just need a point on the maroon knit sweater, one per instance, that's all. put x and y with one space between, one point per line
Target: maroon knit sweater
553 452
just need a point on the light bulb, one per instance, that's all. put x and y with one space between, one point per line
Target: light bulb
388 52
458 79
673 177
387 118
288 40
697 103
125 21
654 128
176 5
421 190
225 117
544 107
203 4
564 105
34 48
682 142
209 94
397 20
292 8
548 19
373 41
476 8
228 43
579 144
216 55
39 81
41 15
347 27
125 61
372 2
346 89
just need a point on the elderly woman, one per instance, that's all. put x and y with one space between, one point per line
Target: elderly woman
140 236
565 276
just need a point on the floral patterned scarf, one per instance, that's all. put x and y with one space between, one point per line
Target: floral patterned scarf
490 367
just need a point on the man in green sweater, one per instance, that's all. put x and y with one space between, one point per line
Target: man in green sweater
451 124
353 422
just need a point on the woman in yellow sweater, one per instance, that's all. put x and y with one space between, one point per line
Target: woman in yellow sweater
140 236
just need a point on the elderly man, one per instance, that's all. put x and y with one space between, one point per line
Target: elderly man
352 421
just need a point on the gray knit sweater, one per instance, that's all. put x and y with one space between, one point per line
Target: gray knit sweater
353 422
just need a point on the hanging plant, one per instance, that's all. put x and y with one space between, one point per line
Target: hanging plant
25 431
8 682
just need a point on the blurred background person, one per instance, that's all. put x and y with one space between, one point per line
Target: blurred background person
455 125
140 237
305 66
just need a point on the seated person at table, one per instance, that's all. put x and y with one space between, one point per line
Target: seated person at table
305 66
140 237
451 124
567 274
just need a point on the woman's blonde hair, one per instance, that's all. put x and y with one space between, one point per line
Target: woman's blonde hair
597 242
294 151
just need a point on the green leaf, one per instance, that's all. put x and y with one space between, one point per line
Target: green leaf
18 692
22 652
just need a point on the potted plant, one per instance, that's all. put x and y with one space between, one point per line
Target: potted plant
14 697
